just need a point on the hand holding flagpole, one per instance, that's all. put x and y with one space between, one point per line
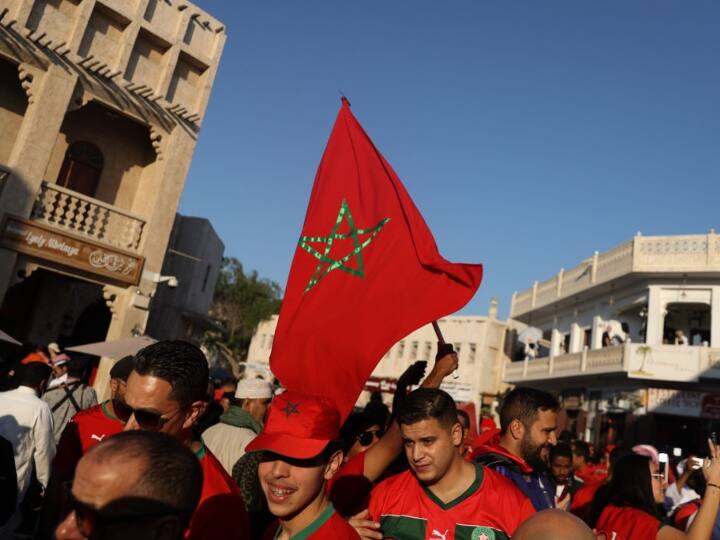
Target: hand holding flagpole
442 344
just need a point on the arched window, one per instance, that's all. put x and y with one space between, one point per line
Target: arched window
81 168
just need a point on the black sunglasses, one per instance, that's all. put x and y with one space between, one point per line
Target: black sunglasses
92 522
366 437
148 420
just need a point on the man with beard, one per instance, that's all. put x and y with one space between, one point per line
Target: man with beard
528 420
443 496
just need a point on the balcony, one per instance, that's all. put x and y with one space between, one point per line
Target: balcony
84 216
681 254
630 361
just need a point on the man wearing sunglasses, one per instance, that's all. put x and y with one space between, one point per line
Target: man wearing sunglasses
166 392
301 453
139 485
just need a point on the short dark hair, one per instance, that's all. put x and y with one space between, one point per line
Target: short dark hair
181 364
122 368
353 426
561 450
426 403
76 367
171 476
631 484
32 374
581 449
465 416
523 404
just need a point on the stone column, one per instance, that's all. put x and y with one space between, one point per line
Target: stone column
715 318
49 94
576 341
655 317
556 339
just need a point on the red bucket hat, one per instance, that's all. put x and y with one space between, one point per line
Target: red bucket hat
298 426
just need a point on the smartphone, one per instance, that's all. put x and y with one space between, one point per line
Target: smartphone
695 463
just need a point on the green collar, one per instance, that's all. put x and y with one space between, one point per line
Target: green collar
468 492
200 452
308 531
107 412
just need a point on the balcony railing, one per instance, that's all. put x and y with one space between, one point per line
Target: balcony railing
632 360
85 216
697 253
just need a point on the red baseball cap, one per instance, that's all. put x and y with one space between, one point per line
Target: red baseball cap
298 426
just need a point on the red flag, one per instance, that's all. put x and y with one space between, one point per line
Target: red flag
365 274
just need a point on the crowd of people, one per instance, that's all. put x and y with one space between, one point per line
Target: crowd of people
173 454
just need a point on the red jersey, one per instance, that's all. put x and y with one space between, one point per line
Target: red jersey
592 474
221 511
349 490
85 429
582 502
629 523
491 509
327 526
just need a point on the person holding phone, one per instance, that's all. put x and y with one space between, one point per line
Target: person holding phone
635 490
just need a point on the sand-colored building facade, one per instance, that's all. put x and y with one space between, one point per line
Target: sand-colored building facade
101 104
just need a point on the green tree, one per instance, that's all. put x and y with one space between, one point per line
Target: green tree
241 301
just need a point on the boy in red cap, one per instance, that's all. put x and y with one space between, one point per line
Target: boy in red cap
301 453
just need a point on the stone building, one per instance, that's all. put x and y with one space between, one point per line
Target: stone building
478 340
633 341
192 265
101 103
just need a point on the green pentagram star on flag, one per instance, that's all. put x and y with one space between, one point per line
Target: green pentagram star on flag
328 264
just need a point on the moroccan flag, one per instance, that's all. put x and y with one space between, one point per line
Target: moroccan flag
366 273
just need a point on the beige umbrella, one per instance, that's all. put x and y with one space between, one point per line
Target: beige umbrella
8 338
116 349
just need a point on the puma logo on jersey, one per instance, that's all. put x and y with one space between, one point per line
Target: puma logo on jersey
437 535
97 438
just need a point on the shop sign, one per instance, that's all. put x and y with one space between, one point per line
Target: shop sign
683 403
460 392
669 401
381 384
666 362
48 243
710 407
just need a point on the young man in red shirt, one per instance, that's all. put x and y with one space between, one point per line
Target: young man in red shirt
90 426
84 430
443 496
301 453
166 392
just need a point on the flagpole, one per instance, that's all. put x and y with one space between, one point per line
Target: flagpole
441 341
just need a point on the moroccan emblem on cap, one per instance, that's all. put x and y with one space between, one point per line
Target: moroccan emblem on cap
290 409
482 533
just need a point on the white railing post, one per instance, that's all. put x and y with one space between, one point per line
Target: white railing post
525 367
583 361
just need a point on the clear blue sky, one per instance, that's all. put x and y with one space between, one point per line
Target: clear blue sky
530 134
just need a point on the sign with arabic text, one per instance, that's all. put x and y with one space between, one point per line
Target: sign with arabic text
52 244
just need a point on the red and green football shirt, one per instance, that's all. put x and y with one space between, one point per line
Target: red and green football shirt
491 509
221 511
629 523
85 429
327 526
